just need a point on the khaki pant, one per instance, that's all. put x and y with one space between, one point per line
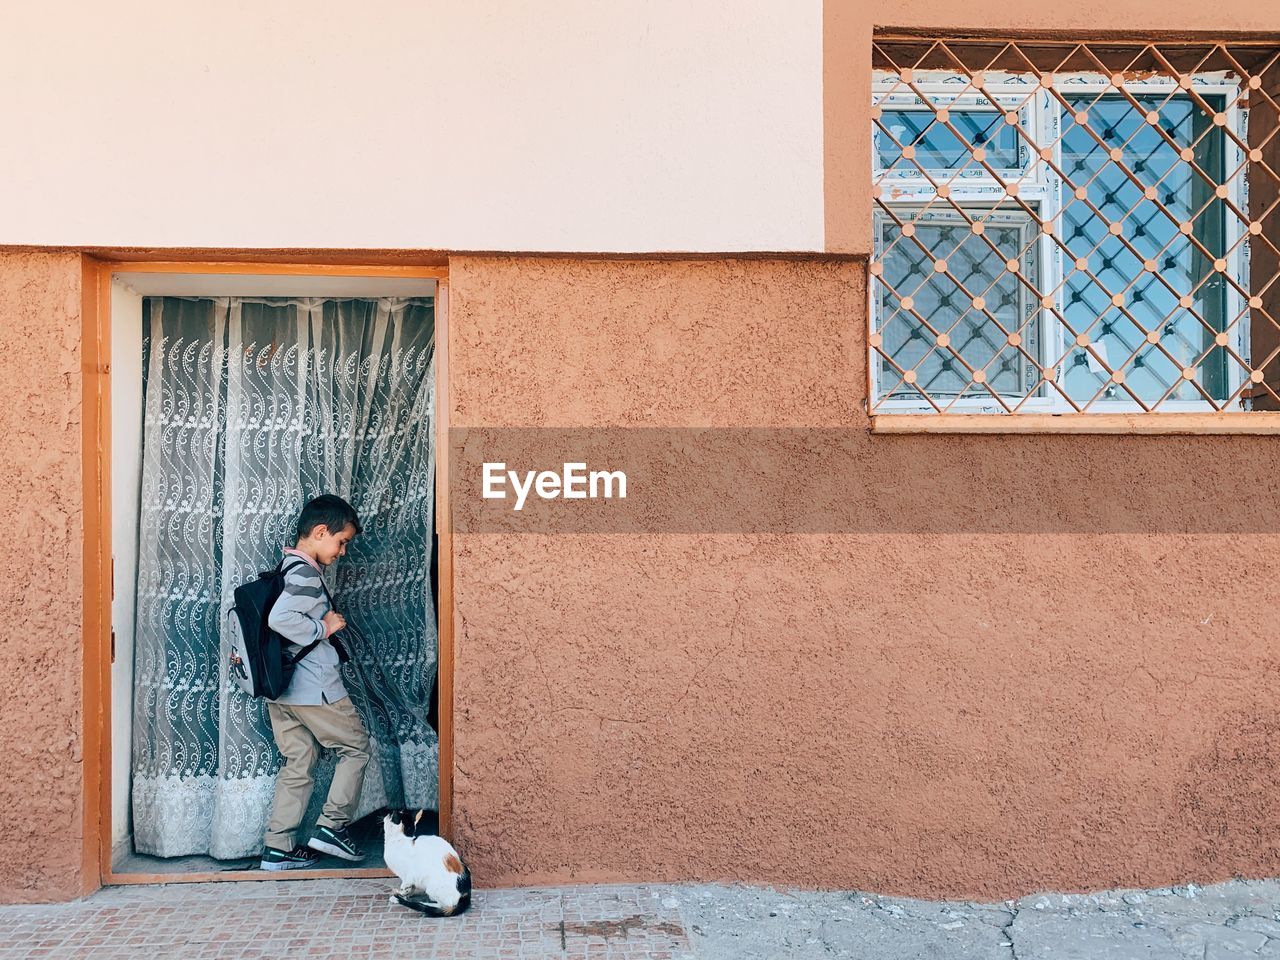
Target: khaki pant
300 732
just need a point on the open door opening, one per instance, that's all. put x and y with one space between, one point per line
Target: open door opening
234 398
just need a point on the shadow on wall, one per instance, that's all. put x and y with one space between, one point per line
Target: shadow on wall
845 480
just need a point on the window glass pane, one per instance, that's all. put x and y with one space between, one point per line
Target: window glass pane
975 268
1151 227
939 148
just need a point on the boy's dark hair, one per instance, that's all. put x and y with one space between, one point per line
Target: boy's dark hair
331 510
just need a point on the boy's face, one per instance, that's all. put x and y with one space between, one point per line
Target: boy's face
329 546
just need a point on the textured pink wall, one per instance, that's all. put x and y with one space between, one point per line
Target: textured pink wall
935 712
40 576
938 712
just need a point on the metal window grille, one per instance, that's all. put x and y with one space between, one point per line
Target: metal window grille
1074 226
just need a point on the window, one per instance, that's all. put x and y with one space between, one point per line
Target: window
1068 227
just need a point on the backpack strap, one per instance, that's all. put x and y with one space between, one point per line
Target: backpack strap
293 661
334 642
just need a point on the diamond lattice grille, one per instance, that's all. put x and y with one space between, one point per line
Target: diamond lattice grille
1075 226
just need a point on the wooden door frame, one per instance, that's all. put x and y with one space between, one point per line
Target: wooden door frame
97 272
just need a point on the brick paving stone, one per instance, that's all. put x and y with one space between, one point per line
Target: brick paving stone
330 918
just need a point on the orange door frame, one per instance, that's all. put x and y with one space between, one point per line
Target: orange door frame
96 277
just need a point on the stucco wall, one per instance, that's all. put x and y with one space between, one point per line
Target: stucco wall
974 695
926 706
40 576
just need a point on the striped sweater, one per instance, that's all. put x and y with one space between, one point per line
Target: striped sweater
298 616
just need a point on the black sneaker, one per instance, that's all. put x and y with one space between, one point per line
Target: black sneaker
299 858
337 843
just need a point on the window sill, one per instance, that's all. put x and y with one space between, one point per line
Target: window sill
1262 423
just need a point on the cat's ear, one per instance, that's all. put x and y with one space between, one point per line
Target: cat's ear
395 816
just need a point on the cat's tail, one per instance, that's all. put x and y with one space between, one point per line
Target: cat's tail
430 907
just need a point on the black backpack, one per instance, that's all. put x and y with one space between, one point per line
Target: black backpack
258 662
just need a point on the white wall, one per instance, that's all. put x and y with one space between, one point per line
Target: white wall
126 476
579 125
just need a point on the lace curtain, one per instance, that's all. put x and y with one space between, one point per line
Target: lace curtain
252 406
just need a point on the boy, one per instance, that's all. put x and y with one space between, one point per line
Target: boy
315 710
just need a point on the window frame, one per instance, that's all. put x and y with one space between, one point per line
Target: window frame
1040 120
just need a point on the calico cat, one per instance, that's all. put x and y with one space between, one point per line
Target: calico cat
433 878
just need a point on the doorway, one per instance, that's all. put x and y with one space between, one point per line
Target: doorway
235 393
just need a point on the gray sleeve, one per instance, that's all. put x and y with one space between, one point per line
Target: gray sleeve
298 613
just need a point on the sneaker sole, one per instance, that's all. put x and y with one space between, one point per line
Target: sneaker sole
285 865
333 850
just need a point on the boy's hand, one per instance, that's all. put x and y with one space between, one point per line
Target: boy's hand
334 621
